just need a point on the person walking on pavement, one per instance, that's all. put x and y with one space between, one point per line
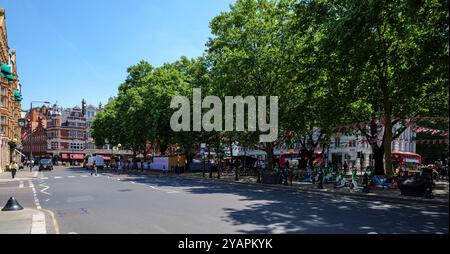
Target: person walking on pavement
13 168
345 167
94 169
31 164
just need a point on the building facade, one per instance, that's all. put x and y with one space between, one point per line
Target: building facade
10 99
34 132
35 143
66 133
357 152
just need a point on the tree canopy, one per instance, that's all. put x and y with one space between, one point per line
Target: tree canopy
330 63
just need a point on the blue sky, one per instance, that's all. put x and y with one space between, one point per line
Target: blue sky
73 49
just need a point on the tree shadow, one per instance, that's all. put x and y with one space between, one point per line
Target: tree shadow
276 211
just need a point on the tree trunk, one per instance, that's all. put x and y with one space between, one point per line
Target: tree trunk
388 144
162 149
269 151
209 159
387 139
311 157
378 156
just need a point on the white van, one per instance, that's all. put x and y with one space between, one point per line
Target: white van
99 161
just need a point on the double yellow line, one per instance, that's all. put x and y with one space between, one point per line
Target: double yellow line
55 222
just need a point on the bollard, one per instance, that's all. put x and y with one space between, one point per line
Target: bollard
12 205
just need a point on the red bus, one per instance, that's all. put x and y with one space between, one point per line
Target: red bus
294 158
406 158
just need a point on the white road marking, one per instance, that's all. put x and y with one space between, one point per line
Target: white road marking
36 173
47 200
71 176
57 177
21 184
161 229
72 233
36 201
44 178
45 188
84 176
38 224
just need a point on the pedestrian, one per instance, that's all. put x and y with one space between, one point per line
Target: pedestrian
345 167
94 168
13 168
31 164
119 166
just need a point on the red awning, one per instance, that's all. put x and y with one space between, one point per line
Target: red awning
77 156
106 158
64 156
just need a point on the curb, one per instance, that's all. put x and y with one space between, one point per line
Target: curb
325 192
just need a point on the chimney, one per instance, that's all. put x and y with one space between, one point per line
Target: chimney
83 107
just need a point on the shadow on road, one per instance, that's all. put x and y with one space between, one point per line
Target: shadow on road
290 211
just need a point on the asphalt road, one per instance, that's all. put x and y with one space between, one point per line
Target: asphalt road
140 204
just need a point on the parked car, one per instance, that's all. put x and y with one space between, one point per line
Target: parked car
45 164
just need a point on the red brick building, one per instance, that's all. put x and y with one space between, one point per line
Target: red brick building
66 133
37 142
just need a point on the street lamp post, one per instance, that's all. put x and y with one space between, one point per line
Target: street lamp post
31 131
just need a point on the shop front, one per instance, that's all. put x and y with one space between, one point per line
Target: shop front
72 159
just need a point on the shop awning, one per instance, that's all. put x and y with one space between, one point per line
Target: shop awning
64 156
77 156
106 158
6 69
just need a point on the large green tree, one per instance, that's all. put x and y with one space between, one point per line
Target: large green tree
391 58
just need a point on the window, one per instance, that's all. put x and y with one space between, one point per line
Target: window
55 145
337 142
76 146
3 97
2 124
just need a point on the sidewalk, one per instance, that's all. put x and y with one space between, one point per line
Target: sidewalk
26 221
441 193
30 220
21 175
